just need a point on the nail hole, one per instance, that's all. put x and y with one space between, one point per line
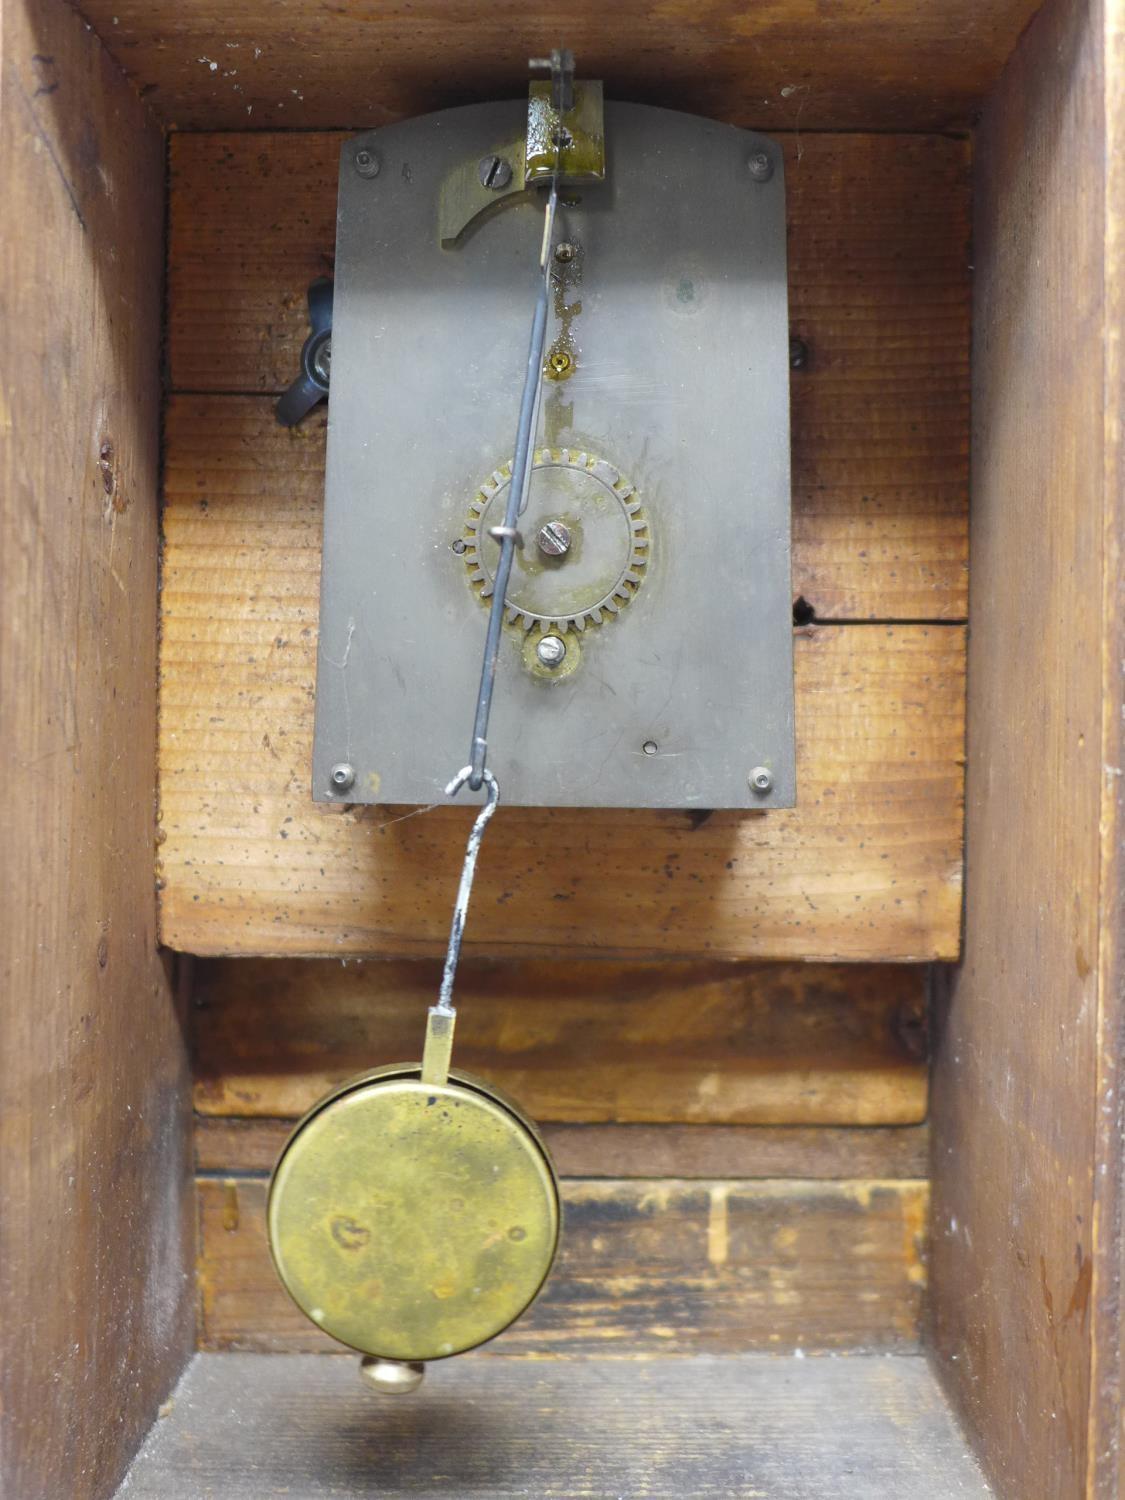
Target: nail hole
803 611
649 747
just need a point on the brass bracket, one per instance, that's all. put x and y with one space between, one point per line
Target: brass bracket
580 129
466 199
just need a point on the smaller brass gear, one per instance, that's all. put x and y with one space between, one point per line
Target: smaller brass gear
608 549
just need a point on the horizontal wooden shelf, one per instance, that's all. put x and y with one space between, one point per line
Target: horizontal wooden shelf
792 65
241 1427
868 866
235 1146
749 1043
650 1267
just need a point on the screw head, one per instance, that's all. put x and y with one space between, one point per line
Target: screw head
554 539
551 651
342 776
495 172
760 166
798 354
459 545
565 252
760 779
366 162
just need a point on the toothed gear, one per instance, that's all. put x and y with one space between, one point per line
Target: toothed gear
605 563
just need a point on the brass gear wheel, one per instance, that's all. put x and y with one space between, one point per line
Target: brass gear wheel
604 564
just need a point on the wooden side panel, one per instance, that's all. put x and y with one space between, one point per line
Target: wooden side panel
95 1230
879 289
236 1146
645 1268
1027 1051
1106 1459
792 64
728 1043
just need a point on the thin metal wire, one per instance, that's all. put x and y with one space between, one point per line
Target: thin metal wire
521 475
465 889
507 535
475 773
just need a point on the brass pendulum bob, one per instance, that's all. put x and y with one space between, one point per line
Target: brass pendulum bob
414 1212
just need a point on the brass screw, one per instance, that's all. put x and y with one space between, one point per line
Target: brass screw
560 362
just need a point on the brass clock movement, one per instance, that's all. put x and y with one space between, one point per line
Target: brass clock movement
600 611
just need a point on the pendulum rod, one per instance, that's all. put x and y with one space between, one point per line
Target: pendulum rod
507 534
442 1016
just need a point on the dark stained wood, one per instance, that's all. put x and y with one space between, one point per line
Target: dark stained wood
242 1428
235 1146
759 1044
879 287
1027 1142
861 64
95 1230
652 1267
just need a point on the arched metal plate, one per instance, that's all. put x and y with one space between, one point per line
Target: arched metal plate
673 317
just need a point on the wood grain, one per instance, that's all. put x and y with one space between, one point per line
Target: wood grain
1027 1148
868 867
895 65
879 288
758 1044
482 1429
95 1228
1106 1457
234 1146
645 1268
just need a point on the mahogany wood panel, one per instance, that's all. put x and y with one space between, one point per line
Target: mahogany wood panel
791 64
758 1044
236 1146
95 1224
644 1268
1027 1146
879 288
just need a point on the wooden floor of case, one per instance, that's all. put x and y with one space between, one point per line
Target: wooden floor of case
251 1426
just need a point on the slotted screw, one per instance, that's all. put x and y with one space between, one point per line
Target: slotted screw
495 172
551 650
554 539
